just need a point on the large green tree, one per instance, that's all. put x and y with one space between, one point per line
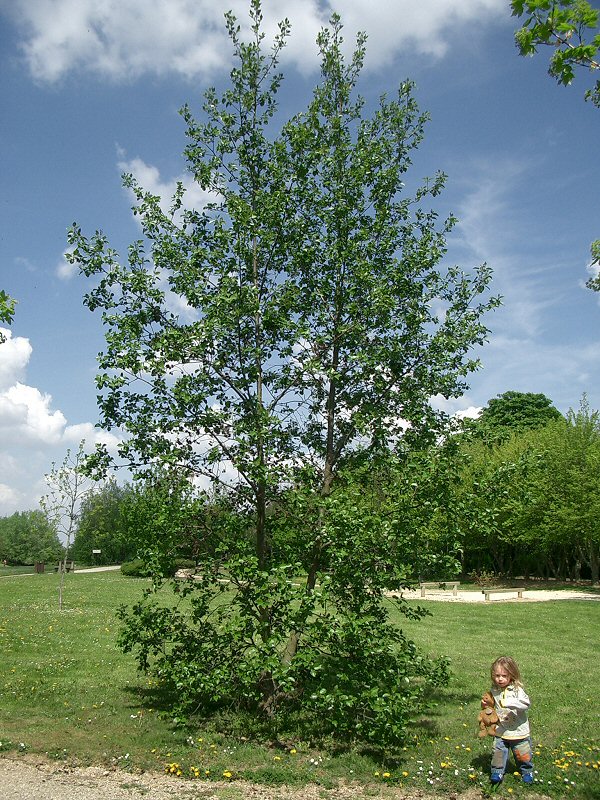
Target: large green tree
320 321
535 499
571 522
515 411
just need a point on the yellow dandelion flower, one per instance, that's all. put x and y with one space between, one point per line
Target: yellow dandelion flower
227 774
405 774
386 774
293 751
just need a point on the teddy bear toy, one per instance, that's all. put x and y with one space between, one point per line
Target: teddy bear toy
487 719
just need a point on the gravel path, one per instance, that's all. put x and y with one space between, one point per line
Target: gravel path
30 778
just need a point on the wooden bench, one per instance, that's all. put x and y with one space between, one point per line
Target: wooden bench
70 566
488 592
441 586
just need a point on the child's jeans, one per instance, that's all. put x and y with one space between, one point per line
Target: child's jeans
522 752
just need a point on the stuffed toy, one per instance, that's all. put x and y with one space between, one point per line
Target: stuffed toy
487 719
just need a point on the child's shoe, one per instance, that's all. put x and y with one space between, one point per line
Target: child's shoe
496 778
528 777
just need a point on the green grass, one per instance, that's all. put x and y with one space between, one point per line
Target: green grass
68 691
27 570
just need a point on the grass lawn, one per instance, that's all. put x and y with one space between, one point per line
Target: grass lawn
28 570
69 692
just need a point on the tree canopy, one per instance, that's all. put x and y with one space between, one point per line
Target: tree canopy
319 320
533 499
516 411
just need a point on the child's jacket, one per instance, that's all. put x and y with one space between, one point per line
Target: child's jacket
515 700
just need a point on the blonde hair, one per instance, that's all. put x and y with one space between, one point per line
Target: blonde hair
510 665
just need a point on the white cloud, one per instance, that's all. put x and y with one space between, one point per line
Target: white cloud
149 178
9 498
73 434
124 39
64 269
26 418
493 230
14 357
33 434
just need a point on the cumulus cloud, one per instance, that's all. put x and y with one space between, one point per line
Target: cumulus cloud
33 434
150 179
124 39
8 496
73 434
26 418
14 357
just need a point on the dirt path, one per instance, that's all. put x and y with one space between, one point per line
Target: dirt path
31 778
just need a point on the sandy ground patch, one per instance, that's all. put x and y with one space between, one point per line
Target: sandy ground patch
529 596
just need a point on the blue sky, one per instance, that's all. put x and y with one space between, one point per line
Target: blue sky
91 88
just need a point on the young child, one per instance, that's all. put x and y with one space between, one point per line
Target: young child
512 731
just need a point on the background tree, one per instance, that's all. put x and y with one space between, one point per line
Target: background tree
101 525
68 487
571 29
515 411
570 525
502 485
534 496
27 537
310 280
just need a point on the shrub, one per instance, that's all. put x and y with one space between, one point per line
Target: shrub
135 569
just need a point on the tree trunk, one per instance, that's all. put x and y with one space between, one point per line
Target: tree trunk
594 565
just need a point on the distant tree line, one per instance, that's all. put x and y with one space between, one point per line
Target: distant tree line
27 537
513 493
